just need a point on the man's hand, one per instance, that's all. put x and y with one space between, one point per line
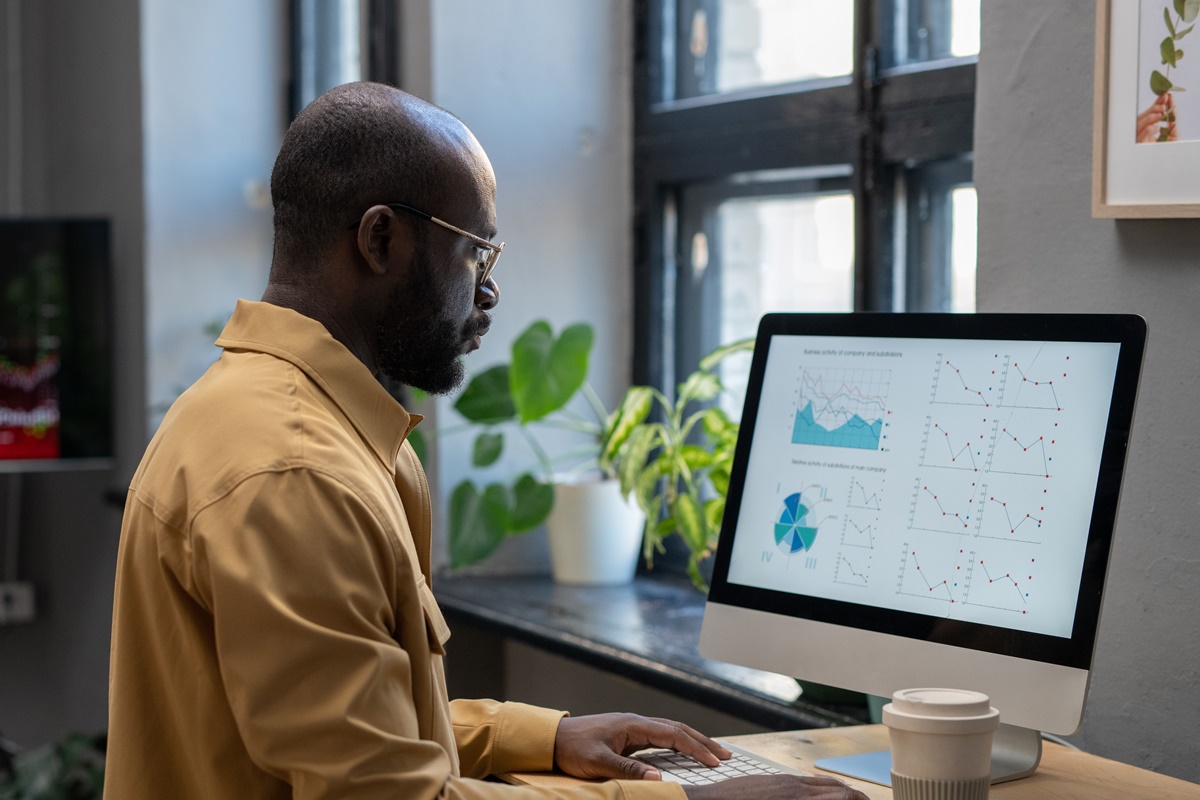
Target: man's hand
596 746
770 787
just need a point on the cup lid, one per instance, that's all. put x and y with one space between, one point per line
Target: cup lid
931 710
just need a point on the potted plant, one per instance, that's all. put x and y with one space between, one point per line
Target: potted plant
657 474
72 769
676 464
569 492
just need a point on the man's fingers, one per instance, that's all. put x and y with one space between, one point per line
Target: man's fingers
683 739
611 765
693 743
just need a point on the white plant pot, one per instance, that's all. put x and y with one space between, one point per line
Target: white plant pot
595 535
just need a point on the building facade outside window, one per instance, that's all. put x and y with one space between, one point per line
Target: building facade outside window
796 155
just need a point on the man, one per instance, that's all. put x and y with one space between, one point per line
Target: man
274 631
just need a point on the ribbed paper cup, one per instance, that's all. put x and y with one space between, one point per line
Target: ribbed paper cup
941 744
906 788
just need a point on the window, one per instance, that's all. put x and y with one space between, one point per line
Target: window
339 41
797 155
743 44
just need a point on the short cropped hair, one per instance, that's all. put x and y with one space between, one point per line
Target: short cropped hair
353 147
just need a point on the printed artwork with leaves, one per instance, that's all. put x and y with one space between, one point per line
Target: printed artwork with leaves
1166 113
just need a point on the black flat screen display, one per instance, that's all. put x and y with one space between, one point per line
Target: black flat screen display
950 478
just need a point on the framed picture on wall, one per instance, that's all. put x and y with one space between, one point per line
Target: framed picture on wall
1146 133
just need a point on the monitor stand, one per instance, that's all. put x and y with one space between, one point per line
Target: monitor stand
1016 752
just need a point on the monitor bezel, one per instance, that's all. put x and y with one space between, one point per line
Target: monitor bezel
1126 330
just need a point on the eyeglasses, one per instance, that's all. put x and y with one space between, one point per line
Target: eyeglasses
487 263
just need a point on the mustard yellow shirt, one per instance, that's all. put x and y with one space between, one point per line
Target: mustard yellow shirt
274 632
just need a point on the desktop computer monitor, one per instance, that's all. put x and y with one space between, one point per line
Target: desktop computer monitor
928 500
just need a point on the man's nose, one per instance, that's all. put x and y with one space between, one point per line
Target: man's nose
487 294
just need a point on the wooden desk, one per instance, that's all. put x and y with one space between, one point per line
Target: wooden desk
1064 774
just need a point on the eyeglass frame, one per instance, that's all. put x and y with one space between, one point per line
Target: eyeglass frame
494 249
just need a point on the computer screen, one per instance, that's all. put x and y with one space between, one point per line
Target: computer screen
55 344
928 500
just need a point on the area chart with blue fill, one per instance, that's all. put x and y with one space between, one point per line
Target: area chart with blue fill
841 408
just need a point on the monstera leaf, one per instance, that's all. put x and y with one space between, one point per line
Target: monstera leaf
547 371
480 520
487 399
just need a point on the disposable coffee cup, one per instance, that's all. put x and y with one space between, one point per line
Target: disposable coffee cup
941 744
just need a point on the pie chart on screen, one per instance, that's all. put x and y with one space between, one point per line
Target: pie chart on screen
794 530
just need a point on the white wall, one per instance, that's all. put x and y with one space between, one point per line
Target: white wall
547 90
215 110
1040 250
76 109
156 115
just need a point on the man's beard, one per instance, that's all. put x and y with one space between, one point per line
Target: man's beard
415 344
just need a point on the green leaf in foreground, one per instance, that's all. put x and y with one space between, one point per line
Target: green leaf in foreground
637 455
1159 83
532 502
716 356
632 412
701 386
714 510
488 447
487 399
478 522
419 446
1166 49
691 522
546 372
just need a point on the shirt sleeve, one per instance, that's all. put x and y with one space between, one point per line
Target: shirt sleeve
300 577
503 737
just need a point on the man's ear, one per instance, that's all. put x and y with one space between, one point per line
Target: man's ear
381 238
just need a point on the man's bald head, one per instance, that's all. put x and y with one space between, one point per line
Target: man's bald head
354 146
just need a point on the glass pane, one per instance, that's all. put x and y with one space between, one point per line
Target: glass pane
964 215
780 254
932 30
937 220
326 48
728 45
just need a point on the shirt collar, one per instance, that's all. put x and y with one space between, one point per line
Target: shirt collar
300 340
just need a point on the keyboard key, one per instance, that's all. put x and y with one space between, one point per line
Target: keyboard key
678 768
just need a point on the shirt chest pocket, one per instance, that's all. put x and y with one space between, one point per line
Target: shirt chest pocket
435 624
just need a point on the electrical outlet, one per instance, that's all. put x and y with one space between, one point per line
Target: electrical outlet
16 602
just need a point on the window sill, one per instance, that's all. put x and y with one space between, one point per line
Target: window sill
645 631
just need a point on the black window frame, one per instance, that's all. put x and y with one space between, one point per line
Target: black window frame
893 120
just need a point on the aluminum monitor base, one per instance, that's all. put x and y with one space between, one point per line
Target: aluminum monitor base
1016 752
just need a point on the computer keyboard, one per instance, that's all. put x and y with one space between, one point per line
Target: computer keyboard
683 769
